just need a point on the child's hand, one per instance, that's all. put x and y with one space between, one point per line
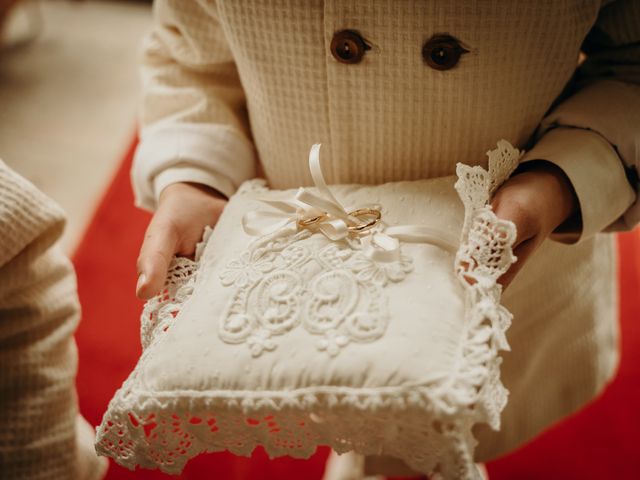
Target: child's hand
184 209
537 200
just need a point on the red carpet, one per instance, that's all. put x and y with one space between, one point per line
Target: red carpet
600 442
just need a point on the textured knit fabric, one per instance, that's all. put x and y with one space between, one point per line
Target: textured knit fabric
40 428
235 88
390 117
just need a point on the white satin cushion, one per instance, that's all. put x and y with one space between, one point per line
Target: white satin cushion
293 339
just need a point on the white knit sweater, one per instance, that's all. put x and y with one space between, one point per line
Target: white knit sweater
42 435
233 88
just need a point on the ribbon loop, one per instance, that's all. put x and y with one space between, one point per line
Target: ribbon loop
322 212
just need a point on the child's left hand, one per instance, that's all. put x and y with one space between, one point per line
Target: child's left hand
538 200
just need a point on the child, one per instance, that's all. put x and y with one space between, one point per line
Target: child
402 91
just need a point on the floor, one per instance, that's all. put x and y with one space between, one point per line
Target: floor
68 98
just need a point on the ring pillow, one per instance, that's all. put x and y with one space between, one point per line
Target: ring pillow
365 318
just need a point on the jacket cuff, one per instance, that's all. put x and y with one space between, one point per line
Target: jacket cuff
596 174
186 173
215 155
612 109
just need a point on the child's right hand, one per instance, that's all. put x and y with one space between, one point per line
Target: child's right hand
184 209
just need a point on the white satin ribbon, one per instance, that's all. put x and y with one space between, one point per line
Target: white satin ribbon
380 242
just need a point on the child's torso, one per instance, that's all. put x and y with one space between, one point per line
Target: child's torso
391 116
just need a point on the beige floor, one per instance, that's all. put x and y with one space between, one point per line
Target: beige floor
68 100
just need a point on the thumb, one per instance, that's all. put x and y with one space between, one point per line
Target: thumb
159 246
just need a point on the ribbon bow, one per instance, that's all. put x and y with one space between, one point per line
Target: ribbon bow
323 213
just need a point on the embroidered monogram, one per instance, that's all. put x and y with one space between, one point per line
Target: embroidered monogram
342 301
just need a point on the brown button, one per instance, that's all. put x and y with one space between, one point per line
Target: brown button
347 46
442 52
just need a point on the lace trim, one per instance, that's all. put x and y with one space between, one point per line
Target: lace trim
164 430
160 311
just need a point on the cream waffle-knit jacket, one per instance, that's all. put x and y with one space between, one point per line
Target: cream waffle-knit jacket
233 88
42 435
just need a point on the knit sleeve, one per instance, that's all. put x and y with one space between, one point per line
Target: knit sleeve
593 133
26 215
193 116
39 312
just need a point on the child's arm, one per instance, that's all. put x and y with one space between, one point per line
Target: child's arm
593 133
39 311
195 147
588 146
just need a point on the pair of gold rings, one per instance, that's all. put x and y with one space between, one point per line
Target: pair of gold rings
374 215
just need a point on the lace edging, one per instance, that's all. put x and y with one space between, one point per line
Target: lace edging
144 428
160 311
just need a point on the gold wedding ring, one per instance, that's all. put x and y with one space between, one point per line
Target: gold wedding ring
374 215
365 212
310 222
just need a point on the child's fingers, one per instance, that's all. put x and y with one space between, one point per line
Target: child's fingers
512 208
520 214
522 252
159 246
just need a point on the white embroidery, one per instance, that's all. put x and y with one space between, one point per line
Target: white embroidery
342 301
368 270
